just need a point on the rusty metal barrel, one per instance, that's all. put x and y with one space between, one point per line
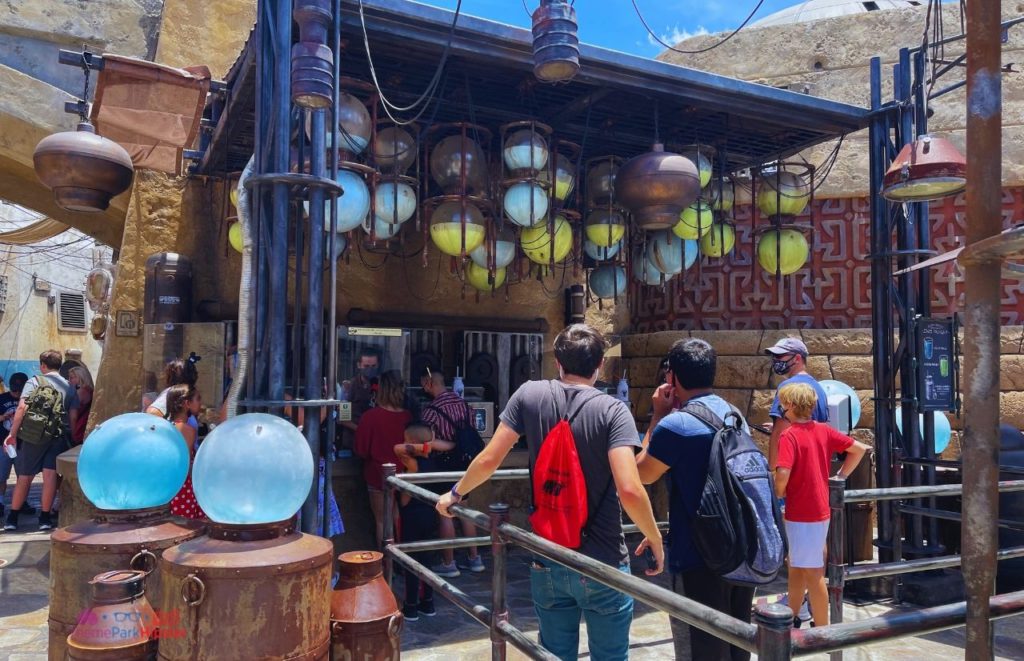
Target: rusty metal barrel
120 624
74 506
260 591
131 539
366 622
556 45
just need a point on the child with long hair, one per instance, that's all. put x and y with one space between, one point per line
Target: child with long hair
183 401
801 475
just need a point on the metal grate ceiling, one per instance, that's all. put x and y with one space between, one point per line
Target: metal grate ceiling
610 107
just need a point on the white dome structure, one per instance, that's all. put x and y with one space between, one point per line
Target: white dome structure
816 10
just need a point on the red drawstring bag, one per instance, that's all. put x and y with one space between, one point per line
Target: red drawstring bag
559 489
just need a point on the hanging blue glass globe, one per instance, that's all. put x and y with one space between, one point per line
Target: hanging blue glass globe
608 281
133 461
943 430
644 271
599 253
255 468
670 254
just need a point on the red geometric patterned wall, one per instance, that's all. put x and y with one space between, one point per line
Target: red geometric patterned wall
832 291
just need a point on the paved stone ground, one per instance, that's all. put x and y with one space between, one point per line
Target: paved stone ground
450 635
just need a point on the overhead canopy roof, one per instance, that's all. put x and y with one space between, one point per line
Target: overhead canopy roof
489 80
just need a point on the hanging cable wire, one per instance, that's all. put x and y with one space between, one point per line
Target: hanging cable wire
428 94
702 50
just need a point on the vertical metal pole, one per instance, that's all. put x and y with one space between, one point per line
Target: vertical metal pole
981 326
279 246
774 632
881 310
311 522
387 471
499 580
836 567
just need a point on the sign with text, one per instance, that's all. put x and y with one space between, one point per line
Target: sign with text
127 323
936 378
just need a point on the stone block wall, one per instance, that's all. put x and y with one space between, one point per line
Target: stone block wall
745 378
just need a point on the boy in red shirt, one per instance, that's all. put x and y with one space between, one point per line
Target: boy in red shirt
801 475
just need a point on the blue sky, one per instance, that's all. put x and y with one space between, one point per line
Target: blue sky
614 24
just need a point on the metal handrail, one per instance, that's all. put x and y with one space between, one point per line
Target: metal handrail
877 570
904 493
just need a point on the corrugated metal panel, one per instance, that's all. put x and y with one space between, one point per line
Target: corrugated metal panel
71 311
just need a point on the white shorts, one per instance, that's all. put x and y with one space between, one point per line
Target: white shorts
807 543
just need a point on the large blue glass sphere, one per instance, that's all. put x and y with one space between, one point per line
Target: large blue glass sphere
833 387
255 468
943 430
133 461
608 281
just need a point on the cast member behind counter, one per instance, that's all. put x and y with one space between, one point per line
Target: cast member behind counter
361 391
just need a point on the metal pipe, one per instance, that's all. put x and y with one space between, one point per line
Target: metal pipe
524 644
902 493
311 514
734 631
957 516
922 564
881 314
479 519
442 544
245 286
981 321
946 463
899 625
453 594
836 554
388 472
499 581
454 476
278 295
774 632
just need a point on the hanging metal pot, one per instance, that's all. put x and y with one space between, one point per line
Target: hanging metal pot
657 186
84 170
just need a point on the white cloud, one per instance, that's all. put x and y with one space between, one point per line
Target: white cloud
673 35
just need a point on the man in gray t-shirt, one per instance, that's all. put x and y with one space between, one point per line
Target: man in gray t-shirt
606 441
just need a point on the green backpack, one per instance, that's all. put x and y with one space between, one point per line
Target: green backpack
44 414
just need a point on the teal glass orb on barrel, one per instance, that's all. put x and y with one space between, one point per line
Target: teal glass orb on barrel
254 468
943 430
833 387
133 461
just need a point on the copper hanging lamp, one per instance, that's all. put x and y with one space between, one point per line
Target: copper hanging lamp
929 168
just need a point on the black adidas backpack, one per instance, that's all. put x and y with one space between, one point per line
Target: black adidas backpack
738 527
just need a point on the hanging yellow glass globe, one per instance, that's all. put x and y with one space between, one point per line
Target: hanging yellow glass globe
536 241
784 251
477 277
694 221
782 193
235 236
719 241
446 228
233 196
605 228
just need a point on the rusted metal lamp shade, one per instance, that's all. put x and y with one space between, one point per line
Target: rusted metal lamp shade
656 187
929 168
312 59
84 170
556 46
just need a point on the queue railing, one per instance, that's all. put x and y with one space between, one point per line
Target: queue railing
771 637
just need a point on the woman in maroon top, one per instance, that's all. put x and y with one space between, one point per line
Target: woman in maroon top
380 429
801 475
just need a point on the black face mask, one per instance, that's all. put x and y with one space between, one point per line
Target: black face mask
782 367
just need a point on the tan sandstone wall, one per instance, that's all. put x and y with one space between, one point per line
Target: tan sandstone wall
830 59
745 378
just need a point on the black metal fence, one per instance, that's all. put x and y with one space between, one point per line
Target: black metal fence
771 636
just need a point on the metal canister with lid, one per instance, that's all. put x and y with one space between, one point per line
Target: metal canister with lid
253 591
130 539
119 625
366 622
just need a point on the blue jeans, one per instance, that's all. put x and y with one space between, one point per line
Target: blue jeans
561 595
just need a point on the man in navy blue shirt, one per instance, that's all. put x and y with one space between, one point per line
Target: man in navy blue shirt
678 442
789 358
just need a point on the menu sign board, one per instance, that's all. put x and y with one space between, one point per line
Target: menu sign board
936 382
